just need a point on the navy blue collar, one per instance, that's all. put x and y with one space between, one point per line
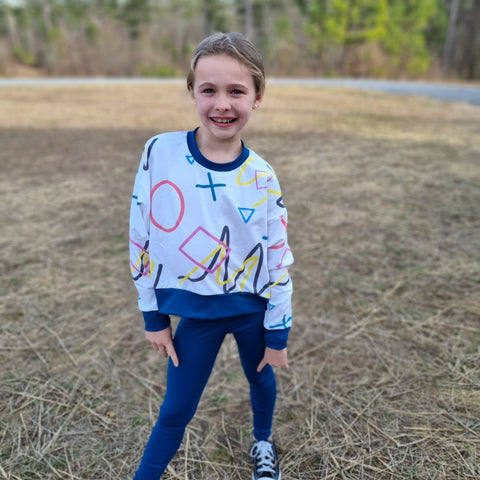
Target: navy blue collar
225 167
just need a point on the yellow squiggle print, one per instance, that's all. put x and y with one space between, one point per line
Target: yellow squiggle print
280 279
212 254
252 260
241 183
263 200
241 172
143 258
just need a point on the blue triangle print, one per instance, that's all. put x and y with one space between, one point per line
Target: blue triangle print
190 159
246 213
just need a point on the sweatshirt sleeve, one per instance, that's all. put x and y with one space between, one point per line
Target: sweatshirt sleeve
278 317
140 265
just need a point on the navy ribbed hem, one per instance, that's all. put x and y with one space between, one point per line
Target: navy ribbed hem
277 339
191 305
155 321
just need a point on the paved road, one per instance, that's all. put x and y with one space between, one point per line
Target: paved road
438 91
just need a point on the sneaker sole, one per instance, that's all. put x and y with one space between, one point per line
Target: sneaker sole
279 476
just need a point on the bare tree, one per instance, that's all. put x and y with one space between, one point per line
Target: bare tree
247 20
11 26
450 41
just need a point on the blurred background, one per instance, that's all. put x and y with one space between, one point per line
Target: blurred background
434 39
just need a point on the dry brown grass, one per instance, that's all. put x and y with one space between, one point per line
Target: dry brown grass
384 201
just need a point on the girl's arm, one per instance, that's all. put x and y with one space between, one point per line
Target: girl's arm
278 317
141 265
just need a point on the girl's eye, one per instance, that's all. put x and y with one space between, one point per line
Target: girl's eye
236 91
207 90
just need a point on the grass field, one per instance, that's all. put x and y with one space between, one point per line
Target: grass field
383 195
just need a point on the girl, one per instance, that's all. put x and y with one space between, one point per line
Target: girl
208 243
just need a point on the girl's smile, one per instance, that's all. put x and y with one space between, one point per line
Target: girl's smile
224 94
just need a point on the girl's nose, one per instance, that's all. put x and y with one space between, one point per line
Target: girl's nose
222 103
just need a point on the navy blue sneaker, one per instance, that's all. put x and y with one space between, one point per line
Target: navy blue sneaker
265 461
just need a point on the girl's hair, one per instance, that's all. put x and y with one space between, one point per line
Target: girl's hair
237 46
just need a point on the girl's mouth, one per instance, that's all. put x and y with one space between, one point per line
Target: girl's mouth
223 121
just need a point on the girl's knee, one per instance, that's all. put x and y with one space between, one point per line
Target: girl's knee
263 379
176 414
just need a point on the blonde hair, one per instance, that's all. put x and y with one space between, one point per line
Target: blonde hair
237 46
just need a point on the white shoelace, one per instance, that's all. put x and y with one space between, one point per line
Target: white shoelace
263 453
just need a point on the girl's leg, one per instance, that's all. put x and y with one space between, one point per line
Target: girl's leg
197 344
263 388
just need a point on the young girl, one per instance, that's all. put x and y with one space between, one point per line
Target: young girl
208 243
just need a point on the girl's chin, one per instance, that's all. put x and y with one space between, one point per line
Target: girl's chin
223 132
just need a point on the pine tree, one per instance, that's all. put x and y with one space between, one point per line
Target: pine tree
405 41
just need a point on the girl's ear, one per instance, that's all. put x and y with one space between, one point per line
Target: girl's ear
258 100
192 95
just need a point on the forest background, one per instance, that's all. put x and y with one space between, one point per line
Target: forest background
154 38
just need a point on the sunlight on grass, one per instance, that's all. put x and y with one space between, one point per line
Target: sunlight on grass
384 207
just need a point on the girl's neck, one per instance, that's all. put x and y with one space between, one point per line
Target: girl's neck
218 151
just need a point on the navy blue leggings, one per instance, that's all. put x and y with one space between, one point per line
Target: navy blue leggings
197 343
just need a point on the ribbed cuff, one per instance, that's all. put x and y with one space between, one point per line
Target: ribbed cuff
155 321
277 339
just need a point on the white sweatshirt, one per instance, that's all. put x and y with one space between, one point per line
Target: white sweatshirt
209 240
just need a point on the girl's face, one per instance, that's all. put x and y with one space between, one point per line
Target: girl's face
224 93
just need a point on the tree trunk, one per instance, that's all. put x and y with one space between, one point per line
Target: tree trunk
247 19
11 26
450 41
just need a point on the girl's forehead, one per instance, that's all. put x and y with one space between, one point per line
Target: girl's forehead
221 62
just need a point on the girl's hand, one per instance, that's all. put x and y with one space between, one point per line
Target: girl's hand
162 342
275 358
